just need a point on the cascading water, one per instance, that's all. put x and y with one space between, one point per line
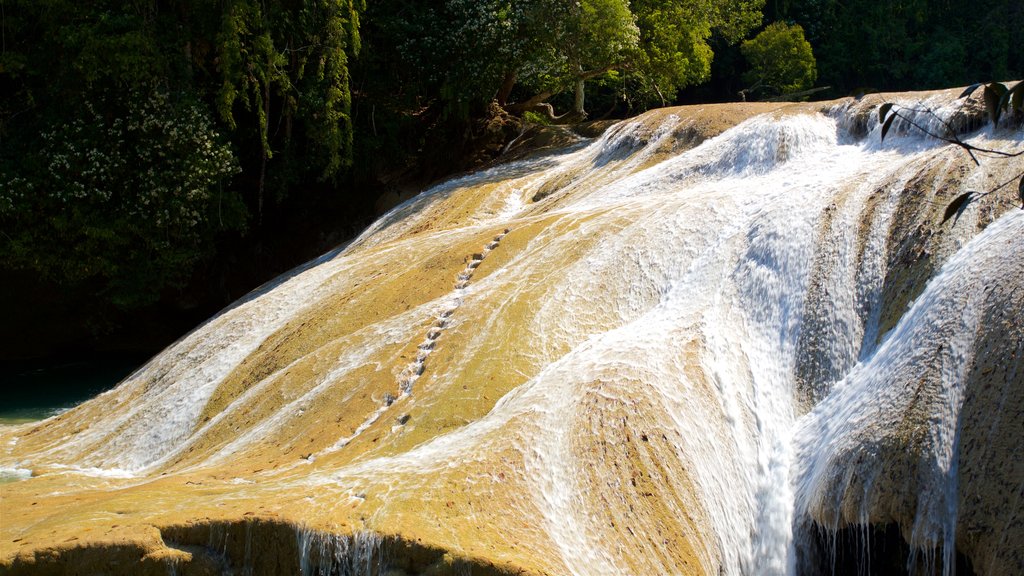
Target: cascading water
322 554
679 349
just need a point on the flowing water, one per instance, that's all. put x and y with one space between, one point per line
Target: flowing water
641 355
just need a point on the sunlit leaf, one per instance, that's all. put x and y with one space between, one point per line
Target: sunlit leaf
969 90
1017 97
957 206
993 95
887 125
883 111
1011 99
998 87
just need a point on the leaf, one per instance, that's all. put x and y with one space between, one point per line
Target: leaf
957 206
1017 97
887 125
998 87
884 111
969 90
993 95
1020 192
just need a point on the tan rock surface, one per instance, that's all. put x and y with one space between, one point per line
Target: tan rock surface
477 382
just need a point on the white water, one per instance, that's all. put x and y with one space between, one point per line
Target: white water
739 278
730 245
322 554
938 330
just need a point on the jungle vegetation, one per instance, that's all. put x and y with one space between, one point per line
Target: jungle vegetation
168 155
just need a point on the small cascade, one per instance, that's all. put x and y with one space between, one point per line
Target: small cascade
324 554
912 387
762 144
247 555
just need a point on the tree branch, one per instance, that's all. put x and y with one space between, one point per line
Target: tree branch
952 137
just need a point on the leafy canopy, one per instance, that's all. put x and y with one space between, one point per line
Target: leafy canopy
781 60
127 196
135 132
675 40
471 48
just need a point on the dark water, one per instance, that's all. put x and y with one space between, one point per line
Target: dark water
33 391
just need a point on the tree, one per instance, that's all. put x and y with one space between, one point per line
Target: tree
668 50
588 39
525 53
288 59
781 60
600 36
676 40
865 45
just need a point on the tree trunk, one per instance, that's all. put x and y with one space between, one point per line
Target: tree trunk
538 102
293 63
506 87
529 105
266 148
184 14
578 102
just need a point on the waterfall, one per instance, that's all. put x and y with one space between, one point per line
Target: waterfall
691 345
324 554
936 334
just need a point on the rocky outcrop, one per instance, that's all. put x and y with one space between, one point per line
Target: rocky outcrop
581 362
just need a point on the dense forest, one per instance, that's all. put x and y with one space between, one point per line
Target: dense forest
159 158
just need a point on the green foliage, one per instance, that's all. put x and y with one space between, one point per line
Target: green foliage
942 61
128 194
293 60
780 58
457 49
599 34
676 49
465 50
534 118
673 48
674 52
909 44
132 130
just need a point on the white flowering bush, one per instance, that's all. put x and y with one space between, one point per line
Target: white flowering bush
157 165
124 196
466 46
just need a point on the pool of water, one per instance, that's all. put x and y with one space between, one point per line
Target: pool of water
37 390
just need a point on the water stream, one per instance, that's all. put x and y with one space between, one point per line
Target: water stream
722 323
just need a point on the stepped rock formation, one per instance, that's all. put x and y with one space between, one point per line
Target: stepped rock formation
688 346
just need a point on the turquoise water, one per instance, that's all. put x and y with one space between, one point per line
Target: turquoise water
34 391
